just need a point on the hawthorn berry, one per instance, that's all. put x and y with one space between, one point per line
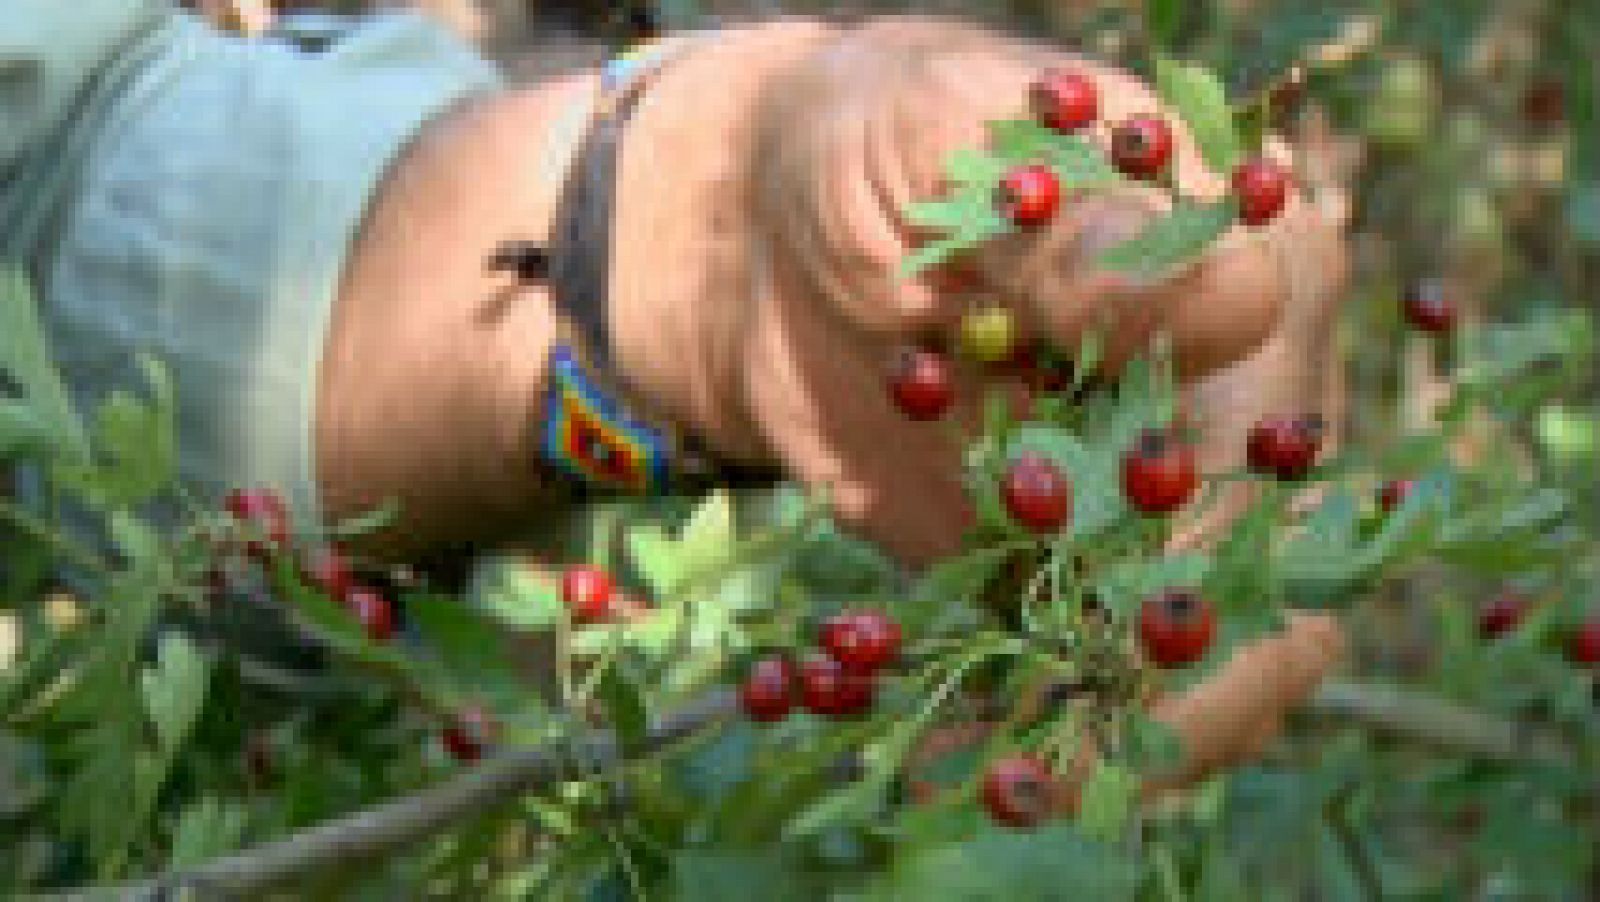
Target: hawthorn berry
1064 100
923 384
1583 645
832 690
863 641
1018 791
1502 615
373 611
1159 473
472 730
1394 493
1176 627
989 334
1428 307
1141 146
587 591
1029 195
1036 493
264 516
329 570
768 692
1545 103
1261 187
1284 447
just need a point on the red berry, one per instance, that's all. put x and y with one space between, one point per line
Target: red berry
1030 195
1583 646
1036 493
1502 615
374 612
587 591
1159 473
264 515
923 385
1394 493
1261 187
863 641
1141 146
1176 628
832 690
1284 447
768 691
1545 103
472 731
1018 791
1428 307
1064 100
329 570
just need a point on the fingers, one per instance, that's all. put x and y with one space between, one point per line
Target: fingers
1230 718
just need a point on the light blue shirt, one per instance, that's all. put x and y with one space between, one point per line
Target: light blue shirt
193 195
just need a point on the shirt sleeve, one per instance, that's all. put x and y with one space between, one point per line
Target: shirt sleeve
50 52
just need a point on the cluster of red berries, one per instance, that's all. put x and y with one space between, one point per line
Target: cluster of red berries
1067 101
263 517
1507 611
838 683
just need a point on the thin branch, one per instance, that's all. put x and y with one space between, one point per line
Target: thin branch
385 828
1439 722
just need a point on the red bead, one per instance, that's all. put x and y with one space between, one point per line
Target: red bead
373 611
1428 307
1036 493
473 731
1261 188
832 690
264 515
768 693
1583 646
1030 195
587 593
1394 493
1064 100
862 641
1176 628
923 384
329 570
1502 615
1018 791
1159 473
1284 447
1141 147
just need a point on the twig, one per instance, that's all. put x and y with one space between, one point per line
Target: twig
384 828
1440 722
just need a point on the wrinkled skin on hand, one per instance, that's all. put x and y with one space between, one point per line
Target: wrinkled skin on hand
1251 323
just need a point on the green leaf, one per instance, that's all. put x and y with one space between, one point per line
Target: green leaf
469 648
521 598
1052 864
1079 163
1200 98
174 689
22 431
973 169
737 876
135 444
206 829
1107 801
945 215
1162 19
1172 240
25 357
625 706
